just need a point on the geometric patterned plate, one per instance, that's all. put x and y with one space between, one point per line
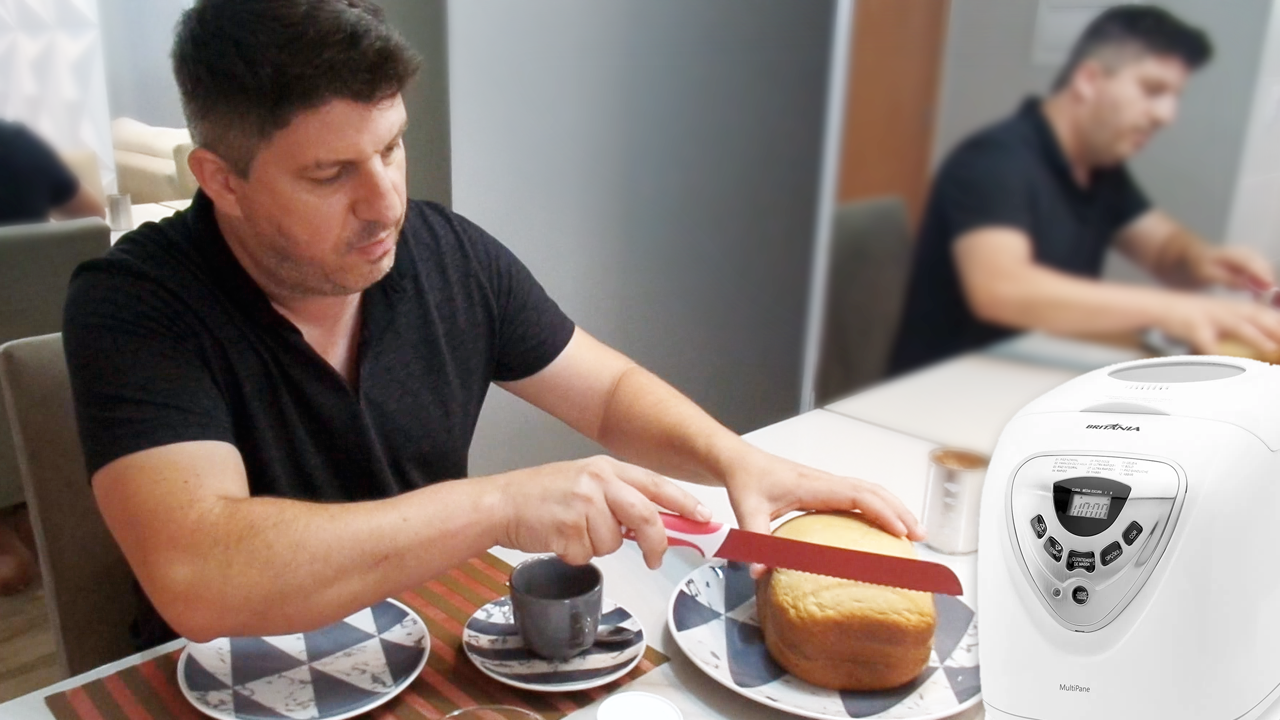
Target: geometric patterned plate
339 671
713 618
493 644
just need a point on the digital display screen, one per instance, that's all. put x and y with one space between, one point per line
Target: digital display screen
1089 506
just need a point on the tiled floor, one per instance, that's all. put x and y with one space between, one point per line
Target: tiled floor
27 657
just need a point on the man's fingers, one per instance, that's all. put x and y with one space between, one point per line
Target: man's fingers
1203 338
604 532
663 492
1253 335
574 547
1256 270
915 530
633 510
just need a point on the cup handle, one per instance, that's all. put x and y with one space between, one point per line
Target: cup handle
580 623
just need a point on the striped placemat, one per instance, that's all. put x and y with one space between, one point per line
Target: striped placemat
448 682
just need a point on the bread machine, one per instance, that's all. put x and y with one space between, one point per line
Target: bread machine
1127 564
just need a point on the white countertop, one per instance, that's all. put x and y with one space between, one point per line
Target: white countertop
966 401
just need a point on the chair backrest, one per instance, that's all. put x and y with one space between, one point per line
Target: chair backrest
868 270
152 161
88 584
36 262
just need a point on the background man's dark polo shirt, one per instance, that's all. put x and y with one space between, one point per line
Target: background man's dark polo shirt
168 340
1011 175
33 179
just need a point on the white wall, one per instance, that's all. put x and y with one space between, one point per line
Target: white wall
51 76
1191 168
656 163
1255 214
137 36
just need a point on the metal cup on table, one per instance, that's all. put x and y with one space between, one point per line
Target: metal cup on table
953 494
120 212
556 606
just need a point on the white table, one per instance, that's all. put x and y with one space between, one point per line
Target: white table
819 438
966 401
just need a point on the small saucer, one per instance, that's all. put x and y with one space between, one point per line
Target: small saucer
492 642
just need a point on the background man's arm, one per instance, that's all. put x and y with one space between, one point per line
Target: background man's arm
1180 258
82 205
1004 285
609 398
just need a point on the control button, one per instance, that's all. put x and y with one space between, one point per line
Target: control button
1054 548
1132 532
1080 594
1037 524
1111 553
1057 593
1077 560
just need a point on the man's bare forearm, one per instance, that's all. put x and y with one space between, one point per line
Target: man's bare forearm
1176 262
650 423
1058 303
221 563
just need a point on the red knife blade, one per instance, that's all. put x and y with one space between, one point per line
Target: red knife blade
722 541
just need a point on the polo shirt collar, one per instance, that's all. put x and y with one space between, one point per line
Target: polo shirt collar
1047 143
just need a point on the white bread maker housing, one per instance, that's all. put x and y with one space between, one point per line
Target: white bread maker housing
1128 565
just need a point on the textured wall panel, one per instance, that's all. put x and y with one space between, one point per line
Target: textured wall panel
52 78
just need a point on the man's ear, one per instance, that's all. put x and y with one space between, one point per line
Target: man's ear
217 180
1087 78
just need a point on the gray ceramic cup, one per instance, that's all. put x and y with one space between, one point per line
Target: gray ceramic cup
556 606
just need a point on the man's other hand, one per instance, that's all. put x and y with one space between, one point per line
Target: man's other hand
578 509
763 487
1202 322
1239 268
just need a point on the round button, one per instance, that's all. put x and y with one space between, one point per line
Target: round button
1080 594
1057 592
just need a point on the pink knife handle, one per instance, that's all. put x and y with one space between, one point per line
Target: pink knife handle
705 537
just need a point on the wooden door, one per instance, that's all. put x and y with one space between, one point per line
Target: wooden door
891 106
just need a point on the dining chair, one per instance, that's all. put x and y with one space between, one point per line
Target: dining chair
868 269
36 262
88 585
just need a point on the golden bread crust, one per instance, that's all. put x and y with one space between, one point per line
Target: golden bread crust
843 634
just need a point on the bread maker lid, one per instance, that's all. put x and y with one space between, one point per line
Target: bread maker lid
1242 392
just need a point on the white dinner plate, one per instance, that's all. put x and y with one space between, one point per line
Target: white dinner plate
713 618
492 642
339 671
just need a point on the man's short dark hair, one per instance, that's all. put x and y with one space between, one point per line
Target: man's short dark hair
246 68
1138 29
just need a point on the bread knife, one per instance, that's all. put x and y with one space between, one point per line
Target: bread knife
718 540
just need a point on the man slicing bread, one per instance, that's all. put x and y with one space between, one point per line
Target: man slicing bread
1022 213
277 388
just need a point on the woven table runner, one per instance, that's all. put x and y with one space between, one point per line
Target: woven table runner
448 682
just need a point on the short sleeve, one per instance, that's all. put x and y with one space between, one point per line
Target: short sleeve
46 168
984 185
139 376
531 329
1130 202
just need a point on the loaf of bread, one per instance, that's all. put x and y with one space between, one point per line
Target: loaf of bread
844 634
1237 348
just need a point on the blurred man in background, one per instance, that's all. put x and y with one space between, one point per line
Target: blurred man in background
1022 213
35 185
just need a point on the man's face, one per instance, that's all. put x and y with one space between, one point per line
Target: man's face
325 199
1125 106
